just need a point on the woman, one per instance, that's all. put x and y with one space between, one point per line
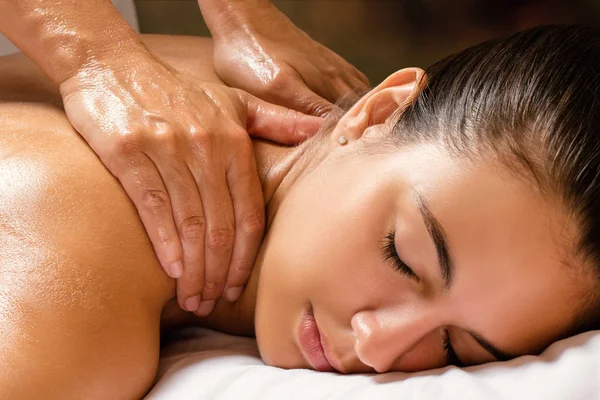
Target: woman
444 218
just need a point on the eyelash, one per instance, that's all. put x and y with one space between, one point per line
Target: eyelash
390 254
449 350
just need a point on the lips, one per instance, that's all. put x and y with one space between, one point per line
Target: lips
311 342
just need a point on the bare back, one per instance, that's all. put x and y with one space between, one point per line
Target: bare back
81 291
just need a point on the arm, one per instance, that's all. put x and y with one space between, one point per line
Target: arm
168 138
63 36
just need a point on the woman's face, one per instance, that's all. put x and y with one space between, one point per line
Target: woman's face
482 243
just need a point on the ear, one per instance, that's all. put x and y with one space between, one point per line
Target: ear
395 92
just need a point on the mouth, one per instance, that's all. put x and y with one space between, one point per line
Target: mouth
311 342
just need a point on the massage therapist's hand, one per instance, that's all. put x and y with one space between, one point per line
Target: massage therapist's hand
258 49
180 149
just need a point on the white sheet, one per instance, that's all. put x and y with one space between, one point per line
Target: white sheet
204 364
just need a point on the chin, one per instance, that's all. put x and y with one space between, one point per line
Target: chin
284 356
277 345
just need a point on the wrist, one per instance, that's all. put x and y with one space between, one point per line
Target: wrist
89 53
225 17
104 67
62 36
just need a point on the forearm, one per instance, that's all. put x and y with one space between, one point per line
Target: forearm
222 17
63 36
23 81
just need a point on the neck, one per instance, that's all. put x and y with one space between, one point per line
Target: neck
278 169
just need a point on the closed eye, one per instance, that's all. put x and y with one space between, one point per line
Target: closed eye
391 255
451 356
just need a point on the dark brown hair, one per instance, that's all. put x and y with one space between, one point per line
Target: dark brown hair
534 99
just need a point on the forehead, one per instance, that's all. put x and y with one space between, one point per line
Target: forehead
508 241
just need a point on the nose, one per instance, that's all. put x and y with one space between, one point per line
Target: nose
384 336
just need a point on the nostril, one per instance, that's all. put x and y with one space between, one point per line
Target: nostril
369 356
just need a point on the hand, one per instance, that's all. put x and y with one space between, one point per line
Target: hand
265 54
180 149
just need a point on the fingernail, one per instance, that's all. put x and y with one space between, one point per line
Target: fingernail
176 269
206 307
233 293
192 303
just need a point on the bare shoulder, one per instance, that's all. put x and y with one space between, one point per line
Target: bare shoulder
80 289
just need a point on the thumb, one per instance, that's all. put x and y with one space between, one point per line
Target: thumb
278 124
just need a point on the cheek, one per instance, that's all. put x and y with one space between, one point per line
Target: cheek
324 247
326 233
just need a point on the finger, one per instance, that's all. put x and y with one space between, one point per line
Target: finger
189 220
339 88
303 99
144 186
292 92
276 123
219 235
354 78
351 75
249 208
331 86
361 81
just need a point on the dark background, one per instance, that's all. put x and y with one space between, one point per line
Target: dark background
381 36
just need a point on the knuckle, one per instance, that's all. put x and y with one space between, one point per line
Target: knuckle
200 137
166 142
364 79
127 144
202 144
242 146
192 228
194 131
220 239
163 130
330 70
278 83
253 221
213 286
194 279
241 137
159 125
243 268
320 109
154 199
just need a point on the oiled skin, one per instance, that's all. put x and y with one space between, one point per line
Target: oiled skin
81 291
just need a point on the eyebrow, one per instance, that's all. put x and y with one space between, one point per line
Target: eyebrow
446 264
439 240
